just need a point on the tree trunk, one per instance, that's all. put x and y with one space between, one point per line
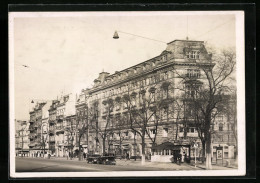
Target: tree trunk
104 146
236 154
203 150
71 152
143 150
80 158
208 153
44 150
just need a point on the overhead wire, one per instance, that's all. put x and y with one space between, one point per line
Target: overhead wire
216 27
142 37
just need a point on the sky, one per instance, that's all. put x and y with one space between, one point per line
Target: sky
66 52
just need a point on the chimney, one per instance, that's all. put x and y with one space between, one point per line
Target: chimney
102 76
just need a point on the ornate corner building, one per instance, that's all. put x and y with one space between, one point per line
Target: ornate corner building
143 108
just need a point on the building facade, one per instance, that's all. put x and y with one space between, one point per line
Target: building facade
21 138
37 144
52 126
166 77
139 110
65 107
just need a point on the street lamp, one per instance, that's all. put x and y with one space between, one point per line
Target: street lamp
115 35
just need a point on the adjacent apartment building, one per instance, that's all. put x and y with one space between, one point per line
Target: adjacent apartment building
21 138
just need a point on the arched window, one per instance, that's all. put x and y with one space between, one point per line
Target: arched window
220 127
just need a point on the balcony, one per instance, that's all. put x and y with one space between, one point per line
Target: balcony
59 129
31 128
60 117
35 125
32 135
52 121
32 144
32 121
52 139
60 142
51 130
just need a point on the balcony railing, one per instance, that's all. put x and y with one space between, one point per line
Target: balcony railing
59 129
51 131
52 121
60 116
60 142
52 139
32 144
32 135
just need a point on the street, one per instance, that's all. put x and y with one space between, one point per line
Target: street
64 165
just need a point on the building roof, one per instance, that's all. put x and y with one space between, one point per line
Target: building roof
182 40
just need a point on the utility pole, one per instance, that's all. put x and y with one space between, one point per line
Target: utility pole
22 142
97 141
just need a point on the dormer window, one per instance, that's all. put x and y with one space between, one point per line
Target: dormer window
164 58
193 54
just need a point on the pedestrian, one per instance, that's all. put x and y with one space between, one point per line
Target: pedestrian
175 157
179 158
84 155
67 154
185 157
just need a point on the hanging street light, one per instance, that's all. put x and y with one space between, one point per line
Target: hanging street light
115 35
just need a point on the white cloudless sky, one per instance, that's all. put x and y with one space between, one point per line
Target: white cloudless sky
66 52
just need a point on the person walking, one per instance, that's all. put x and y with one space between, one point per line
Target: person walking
84 155
67 155
179 158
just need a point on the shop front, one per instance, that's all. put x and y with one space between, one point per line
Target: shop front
168 152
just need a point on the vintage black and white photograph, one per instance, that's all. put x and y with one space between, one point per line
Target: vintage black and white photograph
113 94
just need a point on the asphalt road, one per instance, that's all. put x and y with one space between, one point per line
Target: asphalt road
57 165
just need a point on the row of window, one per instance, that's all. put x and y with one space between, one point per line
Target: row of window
193 73
60 112
135 70
134 85
189 130
193 54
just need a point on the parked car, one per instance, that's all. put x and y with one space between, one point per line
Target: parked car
93 158
107 160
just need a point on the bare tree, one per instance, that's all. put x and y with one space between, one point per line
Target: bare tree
205 98
149 111
81 128
43 143
71 130
104 129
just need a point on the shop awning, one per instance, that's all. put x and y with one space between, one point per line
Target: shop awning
166 146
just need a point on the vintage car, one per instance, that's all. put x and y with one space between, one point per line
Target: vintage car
107 160
93 158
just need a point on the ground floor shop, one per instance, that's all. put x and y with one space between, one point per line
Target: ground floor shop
22 153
